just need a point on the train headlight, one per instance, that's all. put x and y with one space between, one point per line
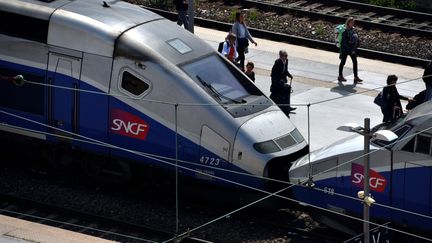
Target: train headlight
266 147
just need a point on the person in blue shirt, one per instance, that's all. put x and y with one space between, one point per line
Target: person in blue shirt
240 29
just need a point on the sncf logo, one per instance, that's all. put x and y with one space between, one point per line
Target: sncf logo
377 182
127 124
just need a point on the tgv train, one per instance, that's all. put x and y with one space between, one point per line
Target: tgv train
400 175
111 79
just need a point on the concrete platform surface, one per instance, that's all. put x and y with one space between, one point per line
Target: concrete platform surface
13 230
332 104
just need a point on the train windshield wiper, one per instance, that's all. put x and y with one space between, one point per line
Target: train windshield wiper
216 93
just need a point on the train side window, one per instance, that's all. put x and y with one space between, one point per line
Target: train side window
409 146
133 84
423 144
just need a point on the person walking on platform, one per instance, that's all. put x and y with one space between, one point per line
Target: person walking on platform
391 108
229 49
427 78
349 44
182 8
240 29
280 89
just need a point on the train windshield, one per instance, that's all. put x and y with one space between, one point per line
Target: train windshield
218 79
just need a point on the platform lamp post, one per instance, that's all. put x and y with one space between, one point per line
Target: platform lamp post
385 135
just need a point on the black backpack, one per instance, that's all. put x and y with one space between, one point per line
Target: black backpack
220 47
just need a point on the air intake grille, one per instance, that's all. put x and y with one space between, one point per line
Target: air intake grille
285 141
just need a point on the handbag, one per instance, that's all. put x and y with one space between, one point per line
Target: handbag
379 100
243 42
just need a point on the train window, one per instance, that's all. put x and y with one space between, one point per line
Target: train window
324 169
133 84
24 26
217 79
12 96
409 146
423 144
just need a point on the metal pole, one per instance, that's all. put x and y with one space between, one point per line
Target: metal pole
191 15
176 169
366 134
310 166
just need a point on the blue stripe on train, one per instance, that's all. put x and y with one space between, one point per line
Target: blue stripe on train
411 192
93 120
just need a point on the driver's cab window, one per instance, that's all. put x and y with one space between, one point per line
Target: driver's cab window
219 79
133 84
421 143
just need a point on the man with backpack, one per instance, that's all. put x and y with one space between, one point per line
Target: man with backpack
348 47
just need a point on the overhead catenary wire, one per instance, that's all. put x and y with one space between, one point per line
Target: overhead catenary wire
167 159
192 105
186 104
209 104
269 194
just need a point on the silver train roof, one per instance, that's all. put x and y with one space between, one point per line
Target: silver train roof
89 26
421 114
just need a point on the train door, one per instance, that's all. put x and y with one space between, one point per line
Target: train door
63 78
412 179
214 152
327 181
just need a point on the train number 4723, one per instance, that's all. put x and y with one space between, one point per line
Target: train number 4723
210 161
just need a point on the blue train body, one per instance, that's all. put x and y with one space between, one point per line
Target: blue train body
122 82
400 175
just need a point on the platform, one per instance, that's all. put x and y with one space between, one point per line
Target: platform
13 230
315 80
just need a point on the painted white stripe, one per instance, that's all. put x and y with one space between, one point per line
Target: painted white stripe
8 128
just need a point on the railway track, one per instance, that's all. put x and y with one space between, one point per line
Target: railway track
296 40
84 223
286 220
82 215
368 16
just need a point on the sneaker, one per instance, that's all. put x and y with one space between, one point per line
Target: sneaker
341 79
357 80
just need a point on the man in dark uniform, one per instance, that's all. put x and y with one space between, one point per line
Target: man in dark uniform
182 7
427 78
280 89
